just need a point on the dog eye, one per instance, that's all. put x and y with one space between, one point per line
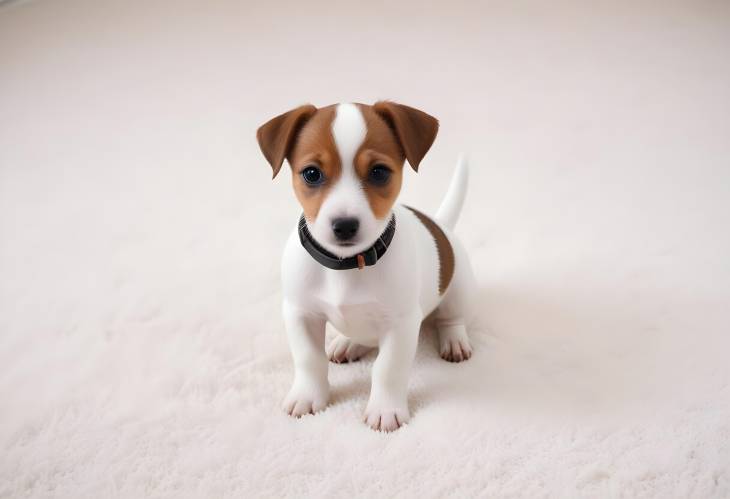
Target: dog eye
379 175
313 175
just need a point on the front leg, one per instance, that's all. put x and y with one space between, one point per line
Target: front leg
310 390
387 408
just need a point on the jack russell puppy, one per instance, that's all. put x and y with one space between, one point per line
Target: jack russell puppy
373 269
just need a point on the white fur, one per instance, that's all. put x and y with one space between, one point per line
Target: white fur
379 306
450 208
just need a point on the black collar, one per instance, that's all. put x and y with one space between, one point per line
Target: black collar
363 259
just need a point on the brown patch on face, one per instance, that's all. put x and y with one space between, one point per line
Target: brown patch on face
380 147
276 137
447 261
414 129
304 137
315 146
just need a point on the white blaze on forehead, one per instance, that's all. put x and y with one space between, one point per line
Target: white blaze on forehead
346 197
348 130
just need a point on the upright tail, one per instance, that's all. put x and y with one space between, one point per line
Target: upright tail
448 212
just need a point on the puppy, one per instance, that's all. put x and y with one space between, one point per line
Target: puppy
373 269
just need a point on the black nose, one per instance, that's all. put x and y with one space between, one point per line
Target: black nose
345 228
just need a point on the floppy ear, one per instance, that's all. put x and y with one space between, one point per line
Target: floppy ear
414 129
276 137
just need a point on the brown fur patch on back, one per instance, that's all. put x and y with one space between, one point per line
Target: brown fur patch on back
315 146
447 261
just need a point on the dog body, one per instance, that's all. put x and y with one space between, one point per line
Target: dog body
350 159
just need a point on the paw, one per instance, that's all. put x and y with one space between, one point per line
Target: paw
456 351
305 400
342 349
454 344
385 418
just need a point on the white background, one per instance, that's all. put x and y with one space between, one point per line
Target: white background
141 348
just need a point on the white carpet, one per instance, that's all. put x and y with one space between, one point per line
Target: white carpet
141 346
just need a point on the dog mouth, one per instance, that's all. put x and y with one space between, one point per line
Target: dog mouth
345 244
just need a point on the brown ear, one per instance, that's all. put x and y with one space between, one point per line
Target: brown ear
276 137
414 129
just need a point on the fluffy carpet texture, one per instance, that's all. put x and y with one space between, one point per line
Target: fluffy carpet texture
141 344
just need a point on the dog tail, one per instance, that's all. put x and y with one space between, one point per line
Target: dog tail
448 212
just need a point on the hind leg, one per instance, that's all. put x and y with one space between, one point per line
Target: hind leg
450 322
455 311
342 349
454 343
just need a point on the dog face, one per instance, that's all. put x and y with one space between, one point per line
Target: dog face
347 165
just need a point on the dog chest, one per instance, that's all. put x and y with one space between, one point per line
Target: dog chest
356 311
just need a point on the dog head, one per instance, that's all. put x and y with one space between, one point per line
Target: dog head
347 165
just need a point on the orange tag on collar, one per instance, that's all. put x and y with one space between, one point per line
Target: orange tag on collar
360 262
